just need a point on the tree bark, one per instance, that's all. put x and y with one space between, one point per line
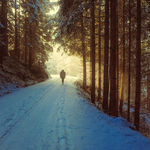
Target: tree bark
93 51
106 53
117 63
4 43
123 62
83 52
5 48
113 60
148 89
128 114
138 68
30 48
16 32
19 33
25 38
99 54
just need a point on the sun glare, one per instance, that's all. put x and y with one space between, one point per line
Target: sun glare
60 60
56 8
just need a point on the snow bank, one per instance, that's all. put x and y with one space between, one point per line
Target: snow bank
15 75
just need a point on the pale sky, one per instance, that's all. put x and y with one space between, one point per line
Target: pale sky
53 0
52 12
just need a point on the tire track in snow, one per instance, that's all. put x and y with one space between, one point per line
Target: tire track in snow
8 120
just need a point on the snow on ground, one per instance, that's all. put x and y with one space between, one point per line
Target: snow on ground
52 116
7 88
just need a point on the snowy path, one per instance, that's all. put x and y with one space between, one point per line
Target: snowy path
51 116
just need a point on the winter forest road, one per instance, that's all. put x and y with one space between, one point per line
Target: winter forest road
52 116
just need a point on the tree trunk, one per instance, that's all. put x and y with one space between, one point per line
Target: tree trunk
19 33
93 51
113 60
25 38
30 48
148 89
99 54
83 52
4 42
5 36
33 43
128 115
123 62
16 32
91 54
106 53
117 67
138 68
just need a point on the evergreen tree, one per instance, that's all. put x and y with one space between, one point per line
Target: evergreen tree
112 108
138 67
106 54
3 31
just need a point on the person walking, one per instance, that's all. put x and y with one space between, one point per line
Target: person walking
62 76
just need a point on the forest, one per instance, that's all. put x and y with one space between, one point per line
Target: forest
111 37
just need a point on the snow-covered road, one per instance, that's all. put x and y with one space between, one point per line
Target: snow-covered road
52 116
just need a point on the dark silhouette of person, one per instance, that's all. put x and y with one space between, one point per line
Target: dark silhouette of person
62 76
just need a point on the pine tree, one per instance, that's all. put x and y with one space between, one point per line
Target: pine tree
117 62
128 115
106 53
83 52
112 108
93 50
138 67
123 62
16 31
25 38
99 52
3 29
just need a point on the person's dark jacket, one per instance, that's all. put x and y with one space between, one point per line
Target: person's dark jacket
62 74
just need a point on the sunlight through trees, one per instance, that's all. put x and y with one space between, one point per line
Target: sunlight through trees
111 38
113 59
